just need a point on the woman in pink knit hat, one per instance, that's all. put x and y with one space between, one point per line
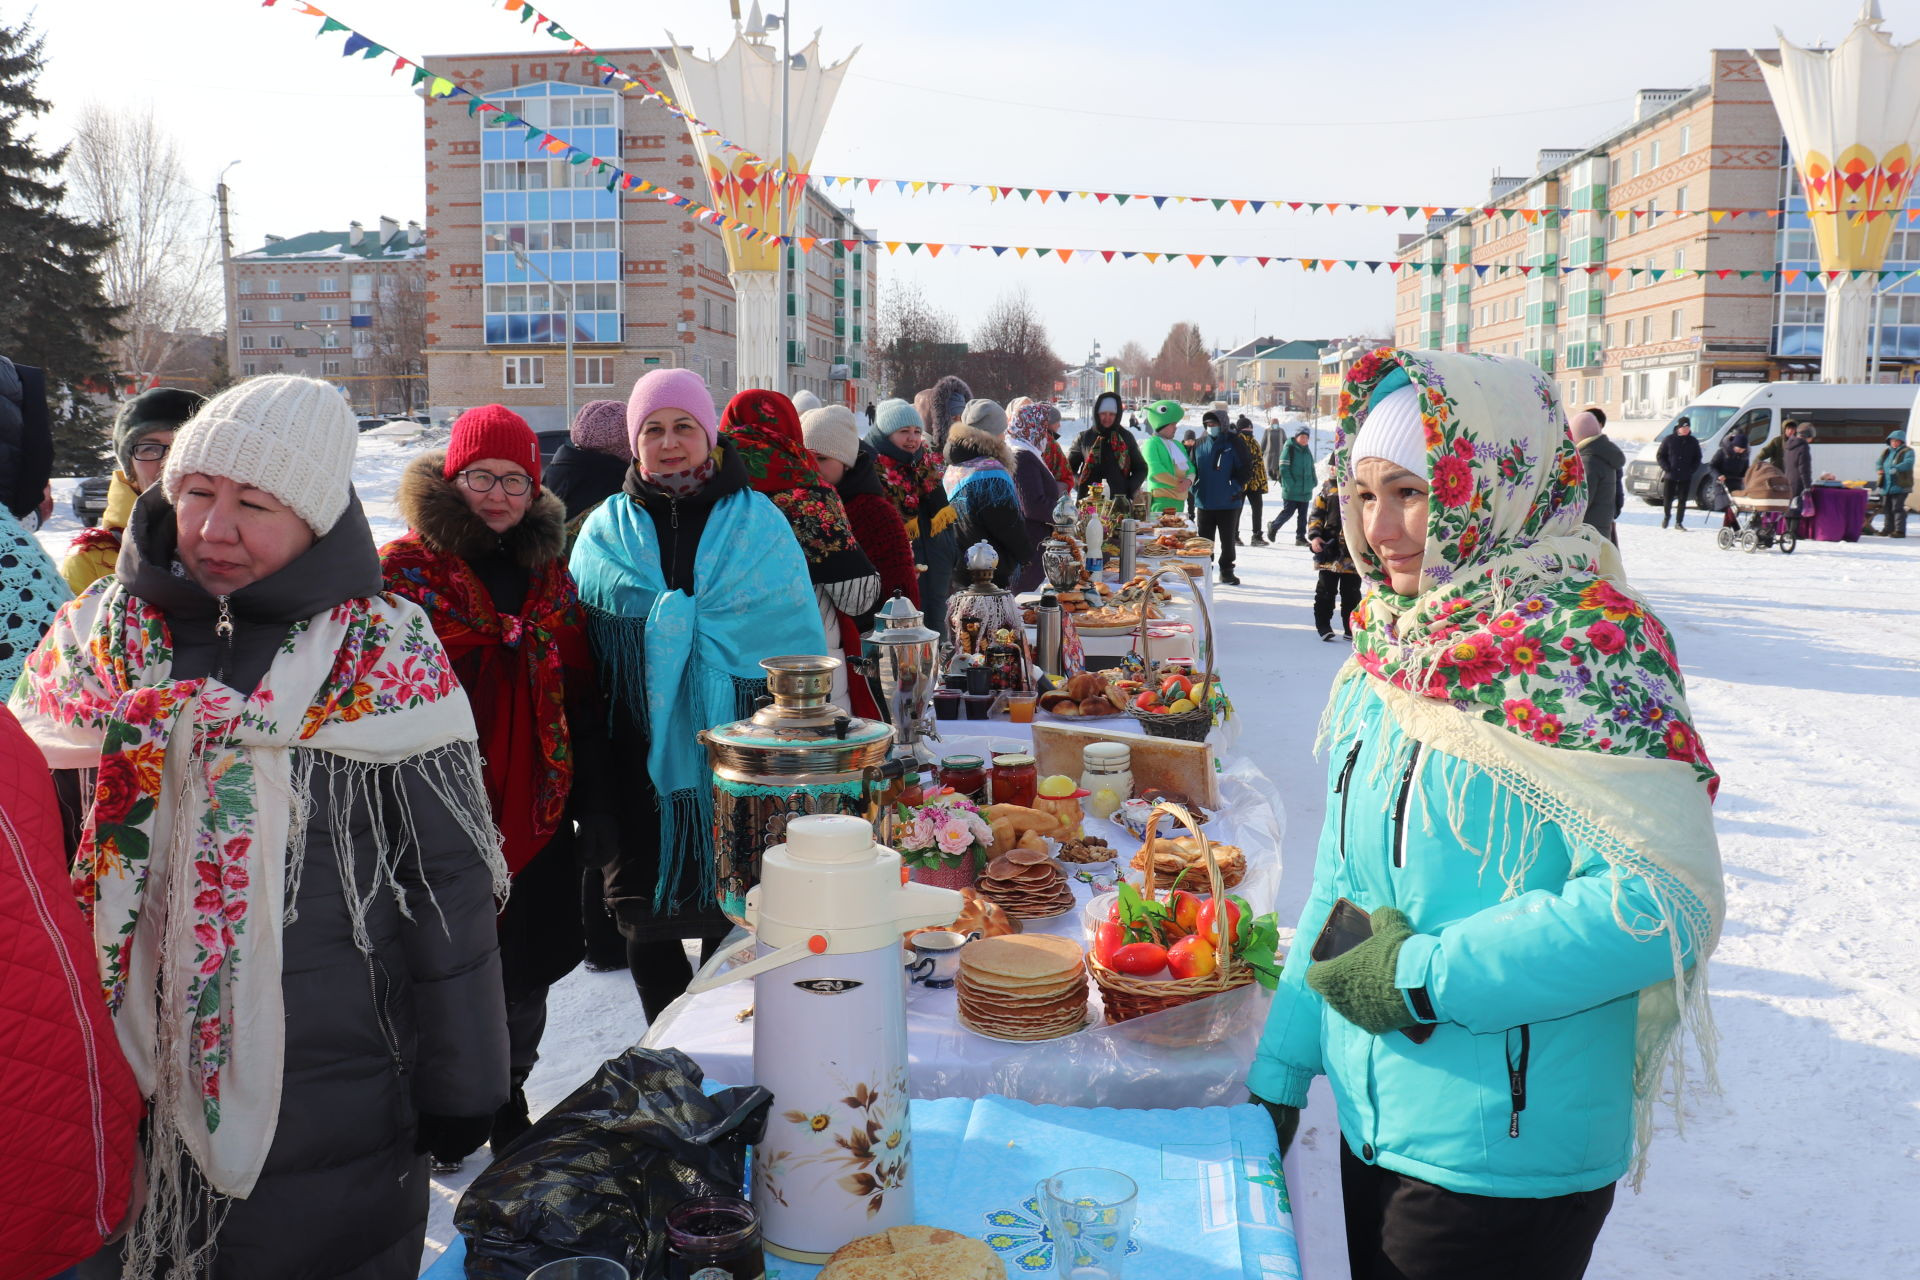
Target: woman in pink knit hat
689 578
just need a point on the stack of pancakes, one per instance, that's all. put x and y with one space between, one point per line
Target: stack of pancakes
1027 884
1030 986
919 1253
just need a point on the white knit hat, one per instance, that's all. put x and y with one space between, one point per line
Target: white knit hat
805 401
293 437
833 431
1393 431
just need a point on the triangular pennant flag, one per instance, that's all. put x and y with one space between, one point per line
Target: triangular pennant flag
1613 273
1790 274
873 185
1218 258
917 187
893 246
1196 258
1065 254
1020 250
1526 271
1026 193
1294 205
1217 204
355 43
1373 268
1745 274
1044 193
399 63
1326 264
1100 197
1429 209
1153 257
1239 206
900 185
999 249
1120 199
933 250
1459 267
1480 269
807 243
1256 205
1314 206
1390 209
1159 201
1129 253
329 24
441 87
1656 272
1041 253
1394 268
913 247
1107 254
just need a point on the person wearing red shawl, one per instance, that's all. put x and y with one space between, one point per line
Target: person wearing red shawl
765 428
484 557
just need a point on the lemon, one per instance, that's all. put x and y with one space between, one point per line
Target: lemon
1056 786
1182 704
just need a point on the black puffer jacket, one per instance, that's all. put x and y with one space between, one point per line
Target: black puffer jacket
26 437
1604 464
1799 463
1112 455
1679 456
583 478
372 1040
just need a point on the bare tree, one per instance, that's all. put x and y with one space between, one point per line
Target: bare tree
400 343
1181 368
1011 356
1136 367
915 344
127 176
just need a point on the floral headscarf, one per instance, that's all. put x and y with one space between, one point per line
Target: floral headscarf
1033 427
765 427
1522 619
911 482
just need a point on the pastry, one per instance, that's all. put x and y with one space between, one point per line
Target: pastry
914 1253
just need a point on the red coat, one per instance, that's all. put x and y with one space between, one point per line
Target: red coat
68 1102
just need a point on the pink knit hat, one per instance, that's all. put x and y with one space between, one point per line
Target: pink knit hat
671 389
1583 427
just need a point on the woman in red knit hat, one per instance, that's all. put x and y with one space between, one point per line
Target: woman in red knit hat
484 557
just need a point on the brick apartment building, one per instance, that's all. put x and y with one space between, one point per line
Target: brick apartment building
1643 345
648 282
345 306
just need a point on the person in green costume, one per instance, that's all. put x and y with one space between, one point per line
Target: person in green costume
1169 469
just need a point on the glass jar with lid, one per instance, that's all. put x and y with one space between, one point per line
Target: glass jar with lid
1015 779
965 776
1107 777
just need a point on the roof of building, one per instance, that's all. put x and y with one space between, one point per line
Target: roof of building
333 245
1298 349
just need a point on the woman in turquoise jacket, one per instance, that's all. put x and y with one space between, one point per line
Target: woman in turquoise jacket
1517 796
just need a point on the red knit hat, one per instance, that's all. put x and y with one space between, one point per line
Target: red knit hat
492 431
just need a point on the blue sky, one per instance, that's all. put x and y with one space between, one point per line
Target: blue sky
1386 101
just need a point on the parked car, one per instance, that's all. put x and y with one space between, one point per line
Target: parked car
550 442
1850 420
368 424
90 499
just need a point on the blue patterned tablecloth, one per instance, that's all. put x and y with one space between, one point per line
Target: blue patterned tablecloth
1213 1200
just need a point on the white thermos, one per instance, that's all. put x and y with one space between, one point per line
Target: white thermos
830 1034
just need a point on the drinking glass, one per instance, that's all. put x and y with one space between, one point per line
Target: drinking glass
581 1269
1089 1213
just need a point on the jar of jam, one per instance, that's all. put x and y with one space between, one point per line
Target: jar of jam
965 776
1015 780
714 1238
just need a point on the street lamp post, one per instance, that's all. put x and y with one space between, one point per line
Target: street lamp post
519 253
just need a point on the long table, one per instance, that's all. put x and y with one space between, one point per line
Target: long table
1195 1055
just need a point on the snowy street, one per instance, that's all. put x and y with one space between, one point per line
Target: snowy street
1804 675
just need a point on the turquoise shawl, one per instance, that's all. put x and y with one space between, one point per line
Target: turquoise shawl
685 663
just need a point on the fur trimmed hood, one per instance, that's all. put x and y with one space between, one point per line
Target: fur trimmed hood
434 509
965 443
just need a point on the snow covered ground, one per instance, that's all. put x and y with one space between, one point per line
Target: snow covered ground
1804 674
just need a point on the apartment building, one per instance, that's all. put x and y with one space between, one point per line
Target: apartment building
344 306
1280 374
521 245
1634 328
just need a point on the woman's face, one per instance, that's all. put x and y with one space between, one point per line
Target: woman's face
489 499
672 441
233 535
909 439
1393 515
147 470
1166 432
1106 418
832 470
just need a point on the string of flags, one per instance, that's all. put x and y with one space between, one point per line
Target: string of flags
1240 205
439 85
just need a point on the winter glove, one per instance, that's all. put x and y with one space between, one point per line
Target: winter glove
1286 1119
451 1139
1359 983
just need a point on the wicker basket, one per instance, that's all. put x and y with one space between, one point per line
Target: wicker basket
1189 726
1128 997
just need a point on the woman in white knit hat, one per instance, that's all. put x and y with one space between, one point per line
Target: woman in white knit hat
288 863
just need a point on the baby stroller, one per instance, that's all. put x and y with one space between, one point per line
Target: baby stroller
1754 523
1762 514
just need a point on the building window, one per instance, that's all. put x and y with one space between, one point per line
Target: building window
245 286
361 366
1679 259
273 285
276 314
330 338
330 312
1653 159
1680 199
248 369
1686 138
1675 322
246 314
327 284
1636 162
726 374
331 368
726 317
592 371
246 342
524 371
277 343
359 309
510 108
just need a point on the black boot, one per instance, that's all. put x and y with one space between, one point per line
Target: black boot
511 1121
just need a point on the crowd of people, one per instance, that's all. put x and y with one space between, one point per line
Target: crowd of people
305 828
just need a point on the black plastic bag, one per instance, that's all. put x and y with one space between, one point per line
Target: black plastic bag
597 1174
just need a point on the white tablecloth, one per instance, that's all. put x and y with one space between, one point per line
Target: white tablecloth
1192 1056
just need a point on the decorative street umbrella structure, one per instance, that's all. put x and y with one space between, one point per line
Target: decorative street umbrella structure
758 98
1852 120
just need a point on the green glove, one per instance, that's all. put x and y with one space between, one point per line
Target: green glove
1359 983
1286 1120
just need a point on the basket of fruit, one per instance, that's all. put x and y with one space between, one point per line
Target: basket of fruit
1177 707
1157 953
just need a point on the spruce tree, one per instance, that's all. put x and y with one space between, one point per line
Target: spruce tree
54 311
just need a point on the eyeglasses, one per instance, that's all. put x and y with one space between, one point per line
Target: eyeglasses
150 451
516 486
